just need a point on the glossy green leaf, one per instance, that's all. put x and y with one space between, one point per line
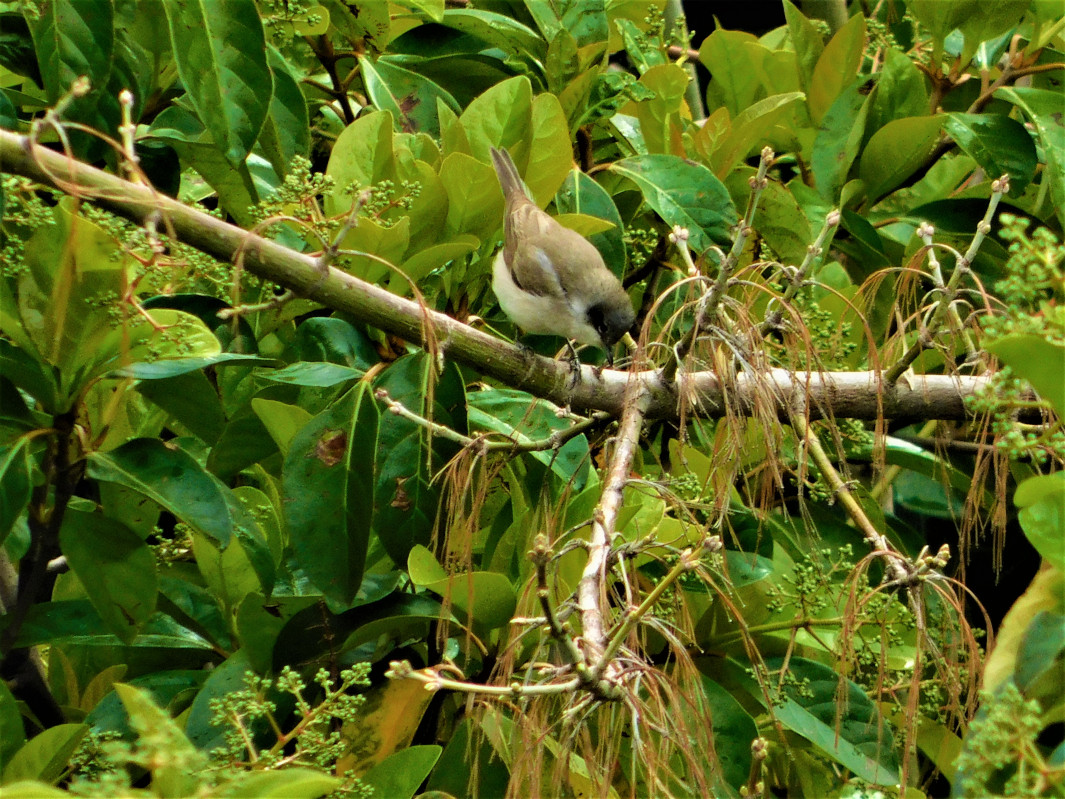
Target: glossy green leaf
362 155
328 493
172 367
848 730
500 117
171 477
1043 108
1000 145
285 132
1037 360
407 499
475 203
580 194
807 42
75 621
837 67
487 597
116 567
191 400
499 30
224 679
220 50
940 17
411 98
839 136
733 58
12 733
336 341
291 783
166 744
683 193
902 90
660 114
1040 658
550 157
1042 515
749 131
45 756
306 373
400 774
198 604
733 729
15 484
259 621
524 419
896 151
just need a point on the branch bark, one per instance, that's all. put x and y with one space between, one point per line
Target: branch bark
859 395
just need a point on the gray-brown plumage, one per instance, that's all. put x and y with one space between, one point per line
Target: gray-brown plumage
550 279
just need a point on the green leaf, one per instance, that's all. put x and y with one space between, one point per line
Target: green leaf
165 744
407 498
328 493
517 415
285 132
362 156
400 774
683 193
411 98
580 194
550 157
116 567
733 730
901 90
172 367
940 17
1000 145
220 50
1037 360
487 597
336 341
896 151
306 373
26 789
224 679
475 202
16 488
839 135
837 67
660 114
292 783
75 621
12 732
1042 515
1043 107
807 42
190 399
832 713
500 117
749 130
499 30
46 756
733 58
171 477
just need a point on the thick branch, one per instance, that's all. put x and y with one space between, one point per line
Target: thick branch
860 395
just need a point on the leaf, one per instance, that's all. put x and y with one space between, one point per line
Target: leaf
171 477
683 193
75 621
46 756
839 136
1044 595
1000 145
281 420
15 484
191 400
362 156
475 202
328 493
297 782
580 194
307 373
285 133
411 98
837 67
1037 360
1043 107
399 775
384 724
748 131
116 567
406 498
848 728
733 731
172 367
525 419
12 733
896 151
550 157
807 42
1042 515
220 52
733 58
486 597
224 679
660 115
500 117
175 759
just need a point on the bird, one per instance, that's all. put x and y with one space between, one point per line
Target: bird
550 279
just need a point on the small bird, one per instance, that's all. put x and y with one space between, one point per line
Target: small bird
550 279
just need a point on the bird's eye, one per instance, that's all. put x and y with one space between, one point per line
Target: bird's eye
597 319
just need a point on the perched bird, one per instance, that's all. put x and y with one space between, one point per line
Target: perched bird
550 279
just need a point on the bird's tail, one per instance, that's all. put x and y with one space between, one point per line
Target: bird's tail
509 179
